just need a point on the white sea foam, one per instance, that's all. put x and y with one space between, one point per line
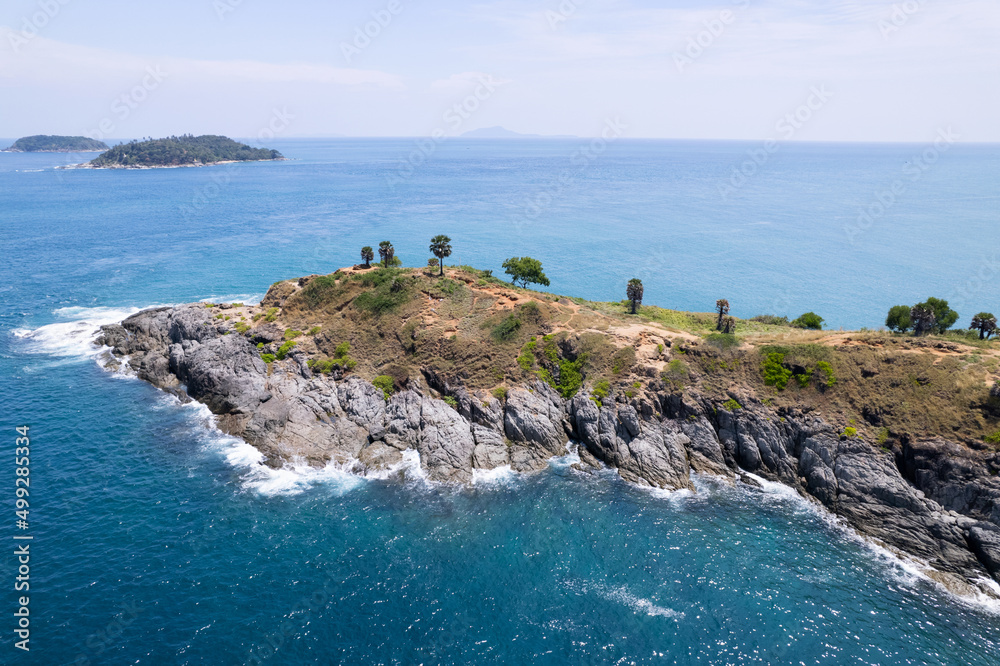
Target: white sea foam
73 337
571 457
638 604
498 476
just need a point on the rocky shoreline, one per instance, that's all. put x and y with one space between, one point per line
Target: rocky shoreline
935 501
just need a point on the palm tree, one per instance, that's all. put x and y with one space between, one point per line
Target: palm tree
441 248
985 323
634 293
722 307
728 325
387 252
367 254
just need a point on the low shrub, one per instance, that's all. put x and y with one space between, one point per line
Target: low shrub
451 401
291 334
771 320
284 349
850 432
827 371
384 382
272 314
500 393
241 327
267 358
314 330
722 341
731 405
506 329
775 373
601 390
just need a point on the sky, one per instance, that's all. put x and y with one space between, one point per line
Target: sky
814 70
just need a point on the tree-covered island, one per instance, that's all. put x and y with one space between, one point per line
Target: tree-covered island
185 150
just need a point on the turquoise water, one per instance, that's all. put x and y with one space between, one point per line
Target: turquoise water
160 541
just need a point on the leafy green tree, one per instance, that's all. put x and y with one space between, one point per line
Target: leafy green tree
898 318
809 320
722 307
386 251
985 323
923 319
367 254
634 293
944 316
441 248
526 270
432 262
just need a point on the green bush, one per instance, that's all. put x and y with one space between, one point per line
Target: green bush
803 379
809 320
771 320
241 327
622 360
500 393
451 401
883 436
314 330
676 372
291 334
526 359
284 349
898 319
601 390
827 371
775 373
260 345
272 314
506 329
342 350
850 432
384 382
731 405
267 358
722 341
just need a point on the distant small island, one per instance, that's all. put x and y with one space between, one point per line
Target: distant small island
178 151
47 143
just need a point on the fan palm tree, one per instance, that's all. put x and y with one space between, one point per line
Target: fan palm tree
923 319
367 254
985 323
634 293
722 307
441 248
386 251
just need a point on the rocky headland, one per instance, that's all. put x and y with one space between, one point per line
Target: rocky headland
356 367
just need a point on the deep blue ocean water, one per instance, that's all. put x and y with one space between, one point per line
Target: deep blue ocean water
159 541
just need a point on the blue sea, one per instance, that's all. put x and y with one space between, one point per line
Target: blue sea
158 540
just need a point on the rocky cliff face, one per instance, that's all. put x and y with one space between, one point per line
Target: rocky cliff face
937 501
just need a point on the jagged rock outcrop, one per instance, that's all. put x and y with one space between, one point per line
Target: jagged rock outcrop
937 501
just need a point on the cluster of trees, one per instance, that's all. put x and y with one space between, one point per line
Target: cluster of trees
46 143
935 316
932 316
181 150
